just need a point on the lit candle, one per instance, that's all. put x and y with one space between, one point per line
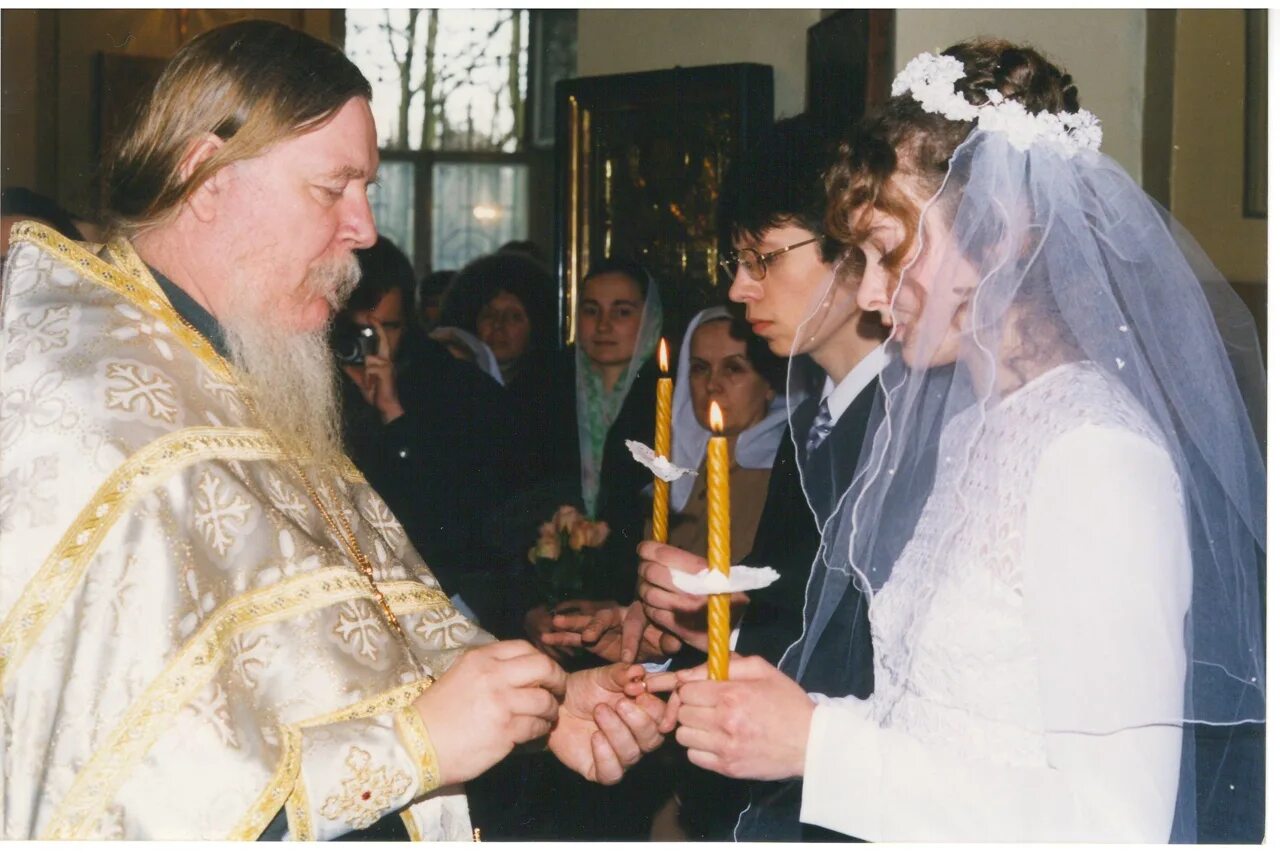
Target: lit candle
662 445
718 545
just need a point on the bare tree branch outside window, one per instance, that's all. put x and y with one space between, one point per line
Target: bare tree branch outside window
444 79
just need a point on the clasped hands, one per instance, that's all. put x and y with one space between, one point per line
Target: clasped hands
753 726
598 722
655 626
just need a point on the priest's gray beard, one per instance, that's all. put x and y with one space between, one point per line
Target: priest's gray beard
289 375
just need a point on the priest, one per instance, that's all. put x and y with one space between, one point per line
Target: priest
210 626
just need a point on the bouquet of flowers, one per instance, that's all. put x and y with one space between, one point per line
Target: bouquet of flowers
563 554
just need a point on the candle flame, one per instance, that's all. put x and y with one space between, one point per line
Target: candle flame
664 363
716 418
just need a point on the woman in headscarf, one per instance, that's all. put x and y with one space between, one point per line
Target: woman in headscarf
619 320
615 377
721 360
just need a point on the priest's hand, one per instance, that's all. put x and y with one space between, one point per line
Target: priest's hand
607 722
492 698
755 725
665 605
610 631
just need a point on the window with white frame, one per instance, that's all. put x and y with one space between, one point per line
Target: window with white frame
453 104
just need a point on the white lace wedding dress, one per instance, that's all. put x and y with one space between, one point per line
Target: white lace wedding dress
1011 671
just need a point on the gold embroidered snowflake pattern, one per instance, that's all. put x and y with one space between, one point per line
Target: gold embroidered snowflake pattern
211 709
143 328
361 627
222 391
44 334
22 492
288 501
250 657
444 627
38 404
138 388
367 793
220 513
380 519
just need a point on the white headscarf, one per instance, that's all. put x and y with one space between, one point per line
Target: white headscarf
597 410
485 359
757 445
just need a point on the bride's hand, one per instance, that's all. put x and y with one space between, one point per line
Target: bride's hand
753 726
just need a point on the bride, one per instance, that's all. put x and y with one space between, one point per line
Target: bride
1082 583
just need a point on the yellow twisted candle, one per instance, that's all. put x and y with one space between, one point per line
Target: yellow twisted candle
662 446
718 546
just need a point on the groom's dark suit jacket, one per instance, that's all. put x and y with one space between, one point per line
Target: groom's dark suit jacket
787 539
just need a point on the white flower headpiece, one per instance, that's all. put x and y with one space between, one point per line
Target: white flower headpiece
931 80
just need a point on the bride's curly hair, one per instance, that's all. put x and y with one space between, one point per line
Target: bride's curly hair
899 156
901 139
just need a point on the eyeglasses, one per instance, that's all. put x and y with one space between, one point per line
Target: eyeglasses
755 263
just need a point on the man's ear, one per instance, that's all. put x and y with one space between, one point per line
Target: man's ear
203 201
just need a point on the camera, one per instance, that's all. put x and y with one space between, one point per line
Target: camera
352 342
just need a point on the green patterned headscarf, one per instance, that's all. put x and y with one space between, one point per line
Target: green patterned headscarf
597 410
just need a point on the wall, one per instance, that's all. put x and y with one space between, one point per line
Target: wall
618 41
1104 51
27 99
1207 176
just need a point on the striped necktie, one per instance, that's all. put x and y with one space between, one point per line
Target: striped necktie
820 429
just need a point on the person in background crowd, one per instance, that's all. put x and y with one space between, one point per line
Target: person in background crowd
428 295
525 247
720 359
615 374
432 434
507 300
465 346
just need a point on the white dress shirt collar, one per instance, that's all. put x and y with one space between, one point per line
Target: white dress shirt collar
839 397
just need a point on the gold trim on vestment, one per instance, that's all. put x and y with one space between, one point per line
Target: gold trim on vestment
133 281
130 280
386 702
61 572
200 659
410 823
188 672
410 596
278 790
417 740
202 655
297 808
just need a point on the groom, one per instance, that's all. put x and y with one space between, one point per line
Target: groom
774 204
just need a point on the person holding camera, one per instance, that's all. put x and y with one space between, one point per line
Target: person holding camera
439 468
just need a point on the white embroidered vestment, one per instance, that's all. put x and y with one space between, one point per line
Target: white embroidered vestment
187 644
